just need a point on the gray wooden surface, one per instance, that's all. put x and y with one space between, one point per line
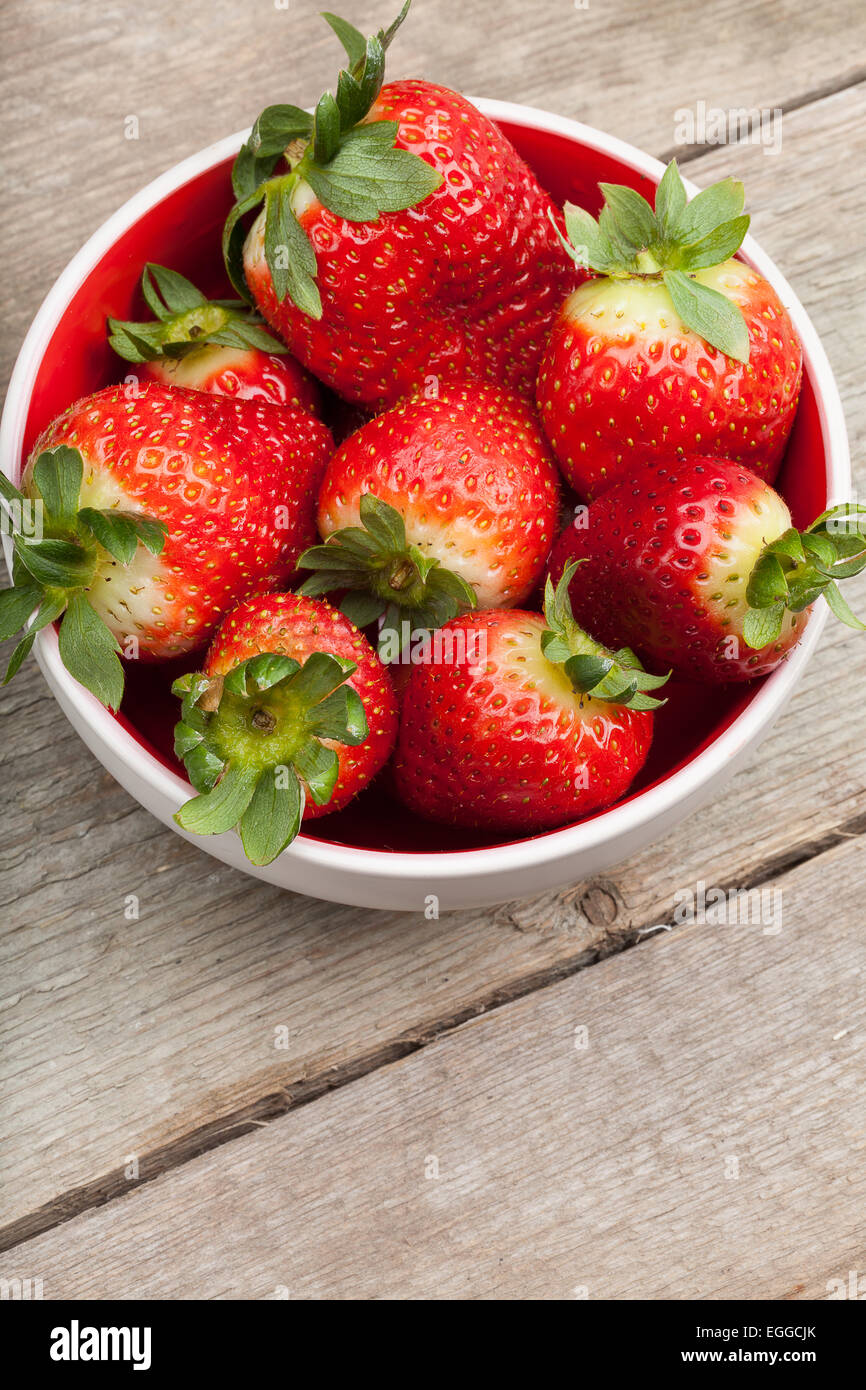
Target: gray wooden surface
683 1121
129 1048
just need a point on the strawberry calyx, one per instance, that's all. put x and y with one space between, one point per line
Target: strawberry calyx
796 568
388 579
255 745
670 243
350 164
185 320
59 548
618 678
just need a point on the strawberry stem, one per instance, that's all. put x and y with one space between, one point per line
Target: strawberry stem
795 569
185 320
388 579
674 241
55 563
614 677
257 742
352 165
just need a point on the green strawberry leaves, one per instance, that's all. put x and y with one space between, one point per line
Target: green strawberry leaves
615 677
671 200
763 625
220 809
358 87
58 476
631 215
252 744
671 242
272 819
352 165
352 40
121 533
388 580
326 129
185 320
587 242
767 584
796 568
713 206
290 257
838 606
276 128
56 562
368 175
89 651
717 320
16 605
718 245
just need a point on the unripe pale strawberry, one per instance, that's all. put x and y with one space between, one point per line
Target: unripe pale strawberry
162 509
697 566
673 348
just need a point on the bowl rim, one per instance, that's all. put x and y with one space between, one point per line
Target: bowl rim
550 846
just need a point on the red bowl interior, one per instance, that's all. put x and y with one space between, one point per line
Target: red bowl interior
183 231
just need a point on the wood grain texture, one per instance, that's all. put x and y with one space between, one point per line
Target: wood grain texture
126 1036
163 1028
156 1037
193 73
703 1138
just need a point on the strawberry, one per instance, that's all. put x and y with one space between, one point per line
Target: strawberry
524 723
160 509
673 347
213 345
435 506
401 236
291 717
696 565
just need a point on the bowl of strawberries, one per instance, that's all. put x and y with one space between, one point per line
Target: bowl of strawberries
421 502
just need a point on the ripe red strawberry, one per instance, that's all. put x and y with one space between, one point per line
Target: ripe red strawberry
697 566
673 348
436 505
219 493
524 724
218 346
402 237
293 715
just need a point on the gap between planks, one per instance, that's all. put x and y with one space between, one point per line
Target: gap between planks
295 1095
603 1158
685 154
243 1120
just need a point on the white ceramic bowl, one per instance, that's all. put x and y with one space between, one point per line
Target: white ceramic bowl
473 877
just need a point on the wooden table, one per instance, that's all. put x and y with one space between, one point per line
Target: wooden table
245 1093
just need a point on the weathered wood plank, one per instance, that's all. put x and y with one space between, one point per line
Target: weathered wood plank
686 1121
131 1036
189 75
